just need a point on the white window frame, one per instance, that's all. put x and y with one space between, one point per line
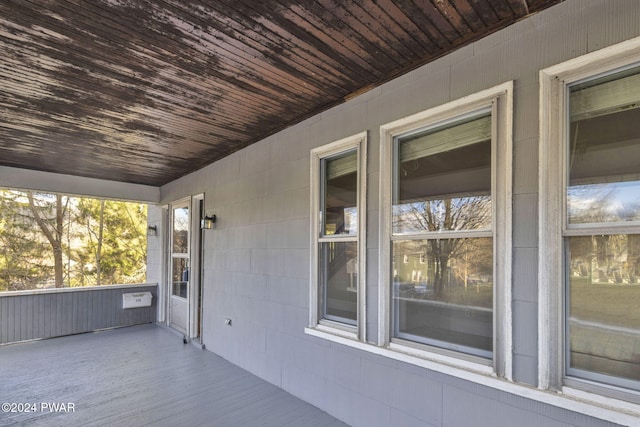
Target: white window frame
554 82
500 100
317 325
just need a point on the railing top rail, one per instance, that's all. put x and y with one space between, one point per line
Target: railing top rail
73 289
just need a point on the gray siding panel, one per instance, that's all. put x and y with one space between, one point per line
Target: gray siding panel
256 266
11 326
4 307
48 314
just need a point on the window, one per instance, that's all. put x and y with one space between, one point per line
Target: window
337 226
590 254
603 262
446 182
180 250
442 213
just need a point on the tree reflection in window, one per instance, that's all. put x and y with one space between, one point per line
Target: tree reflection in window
601 241
443 275
181 230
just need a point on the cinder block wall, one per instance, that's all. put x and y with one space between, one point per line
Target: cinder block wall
256 262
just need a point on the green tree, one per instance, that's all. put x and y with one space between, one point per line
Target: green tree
70 241
25 258
115 246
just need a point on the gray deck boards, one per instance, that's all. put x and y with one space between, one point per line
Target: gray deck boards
141 375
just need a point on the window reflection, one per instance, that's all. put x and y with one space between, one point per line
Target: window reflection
443 180
449 214
443 292
604 154
340 194
339 281
604 290
181 230
603 284
180 278
443 288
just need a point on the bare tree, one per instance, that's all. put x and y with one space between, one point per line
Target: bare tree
453 214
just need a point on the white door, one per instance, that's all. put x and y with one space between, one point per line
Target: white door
179 266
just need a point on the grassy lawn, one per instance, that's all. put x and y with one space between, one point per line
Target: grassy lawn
476 296
613 304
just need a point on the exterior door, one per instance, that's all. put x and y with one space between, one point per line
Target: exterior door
180 264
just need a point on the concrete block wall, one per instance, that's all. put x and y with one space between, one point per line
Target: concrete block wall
256 261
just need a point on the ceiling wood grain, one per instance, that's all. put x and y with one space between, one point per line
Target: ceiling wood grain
147 91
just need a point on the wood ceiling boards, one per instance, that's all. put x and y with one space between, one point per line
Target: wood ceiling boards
148 91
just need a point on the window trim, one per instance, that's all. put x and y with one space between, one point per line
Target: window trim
331 328
554 81
500 99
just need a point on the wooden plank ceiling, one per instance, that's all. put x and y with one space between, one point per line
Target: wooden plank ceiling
146 91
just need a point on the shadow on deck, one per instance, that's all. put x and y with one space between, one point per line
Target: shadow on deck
139 375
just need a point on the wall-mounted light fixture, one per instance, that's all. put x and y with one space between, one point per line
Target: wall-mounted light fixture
152 230
207 222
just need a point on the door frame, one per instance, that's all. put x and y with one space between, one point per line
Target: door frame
171 298
196 252
193 327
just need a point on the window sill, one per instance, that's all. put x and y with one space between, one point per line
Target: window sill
332 333
417 354
620 407
589 404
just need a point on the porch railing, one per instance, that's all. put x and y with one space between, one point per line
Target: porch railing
48 313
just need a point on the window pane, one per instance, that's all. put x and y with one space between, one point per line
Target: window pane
180 277
443 293
181 230
604 150
462 213
339 281
340 196
604 291
443 179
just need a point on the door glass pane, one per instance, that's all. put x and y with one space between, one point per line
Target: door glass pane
443 293
181 230
340 182
604 150
604 291
443 178
339 281
180 278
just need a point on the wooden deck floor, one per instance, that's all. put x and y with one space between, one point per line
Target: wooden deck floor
137 376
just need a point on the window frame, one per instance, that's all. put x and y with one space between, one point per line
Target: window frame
555 82
358 143
499 99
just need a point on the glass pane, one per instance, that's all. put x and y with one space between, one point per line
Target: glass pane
604 150
340 196
443 293
181 230
463 213
180 277
604 293
443 179
339 281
